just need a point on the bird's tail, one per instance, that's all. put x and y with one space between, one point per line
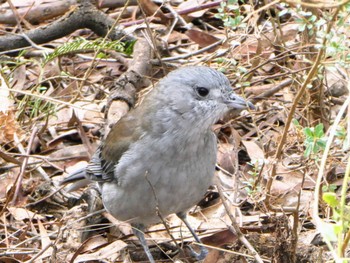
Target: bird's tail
78 180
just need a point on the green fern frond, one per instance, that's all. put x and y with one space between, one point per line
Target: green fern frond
83 45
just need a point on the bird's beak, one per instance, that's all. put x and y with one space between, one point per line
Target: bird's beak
236 102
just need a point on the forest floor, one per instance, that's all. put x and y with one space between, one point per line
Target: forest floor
280 190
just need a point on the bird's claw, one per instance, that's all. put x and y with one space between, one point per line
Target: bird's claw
198 256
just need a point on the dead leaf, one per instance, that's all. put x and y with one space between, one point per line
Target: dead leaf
19 78
87 112
7 182
254 151
151 9
267 43
8 123
93 243
192 4
202 38
9 260
21 214
45 241
226 157
220 238
110 251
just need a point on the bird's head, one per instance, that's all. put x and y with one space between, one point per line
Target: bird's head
198 94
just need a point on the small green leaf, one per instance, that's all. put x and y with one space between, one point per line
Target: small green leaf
308 132
330 199
296 123
308 151
329 188
321 143
301 27
319 130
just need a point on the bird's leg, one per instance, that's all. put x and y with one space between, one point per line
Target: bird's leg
138 230
203 253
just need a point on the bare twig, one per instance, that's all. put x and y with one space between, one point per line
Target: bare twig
234 228
18 182
194 53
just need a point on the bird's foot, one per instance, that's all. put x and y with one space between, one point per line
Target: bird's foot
198 256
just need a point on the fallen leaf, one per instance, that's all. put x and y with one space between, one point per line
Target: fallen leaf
110 251
151 9
202 38
21 214
45 241
254 151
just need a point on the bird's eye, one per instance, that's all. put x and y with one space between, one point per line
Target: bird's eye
202 91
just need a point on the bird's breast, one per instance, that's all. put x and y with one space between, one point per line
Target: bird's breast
168 174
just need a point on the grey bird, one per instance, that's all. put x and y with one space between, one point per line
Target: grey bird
160 157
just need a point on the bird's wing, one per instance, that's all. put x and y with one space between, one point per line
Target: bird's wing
101 166
126 131
123 134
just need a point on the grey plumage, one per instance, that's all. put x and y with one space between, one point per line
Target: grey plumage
162 154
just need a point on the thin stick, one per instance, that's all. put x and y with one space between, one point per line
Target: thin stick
234 228
23 166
